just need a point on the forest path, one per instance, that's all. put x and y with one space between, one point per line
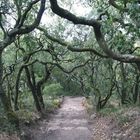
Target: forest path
70 123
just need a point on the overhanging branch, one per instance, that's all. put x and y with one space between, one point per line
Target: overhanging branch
62 68
86 50
70 46
26 29
127 58
67 15
113 3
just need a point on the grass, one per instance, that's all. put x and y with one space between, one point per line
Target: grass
108 111
123 120
52 103
5 126
27 112
136 129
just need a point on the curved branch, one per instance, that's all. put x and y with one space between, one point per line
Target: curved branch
17 87
112 2
70 46
23 17
59 41
29 28
63 69
18 10
66 14
2 28
45 78
27 57
135 49
10 38
128 58
86 50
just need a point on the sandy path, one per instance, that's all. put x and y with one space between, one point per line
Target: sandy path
70 123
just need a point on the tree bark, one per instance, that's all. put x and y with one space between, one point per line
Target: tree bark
123 83
33 90
136 89
17 89
12 117
127 58
39 85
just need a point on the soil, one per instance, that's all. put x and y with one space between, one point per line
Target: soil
69 123
72 122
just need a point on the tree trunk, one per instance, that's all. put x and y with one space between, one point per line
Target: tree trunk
37 87
12 117
17 89
33 90
136 89
40 97
123 88
40 84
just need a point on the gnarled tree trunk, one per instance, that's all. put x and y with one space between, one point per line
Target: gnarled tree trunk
12 117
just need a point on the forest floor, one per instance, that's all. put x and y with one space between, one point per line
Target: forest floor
72 122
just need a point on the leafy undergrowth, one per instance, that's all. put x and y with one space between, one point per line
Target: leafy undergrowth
128 120
26 118
116 123
7 130
53 103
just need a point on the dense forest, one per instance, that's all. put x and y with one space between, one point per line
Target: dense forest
50 49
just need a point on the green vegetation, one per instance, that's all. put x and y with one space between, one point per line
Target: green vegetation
44 57
53 90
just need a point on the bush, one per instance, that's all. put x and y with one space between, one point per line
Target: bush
108 111
53 90
136 129
123 120
52 104
26 101
5 125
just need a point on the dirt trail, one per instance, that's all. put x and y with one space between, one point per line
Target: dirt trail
70 123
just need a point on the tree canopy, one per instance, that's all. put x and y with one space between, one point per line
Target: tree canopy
51 48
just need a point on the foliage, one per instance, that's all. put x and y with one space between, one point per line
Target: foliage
52 104
5 125
107 111
53 90
42 55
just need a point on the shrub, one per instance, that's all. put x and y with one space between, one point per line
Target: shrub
123 120
52 104
53 90
5 125
108 111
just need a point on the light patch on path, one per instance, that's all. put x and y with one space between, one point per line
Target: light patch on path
70 123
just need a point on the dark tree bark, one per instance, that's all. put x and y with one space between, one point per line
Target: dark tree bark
10 37
127 58
123 85
12 117
40 84
17 88
136 89
36 87
102 102
33 90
